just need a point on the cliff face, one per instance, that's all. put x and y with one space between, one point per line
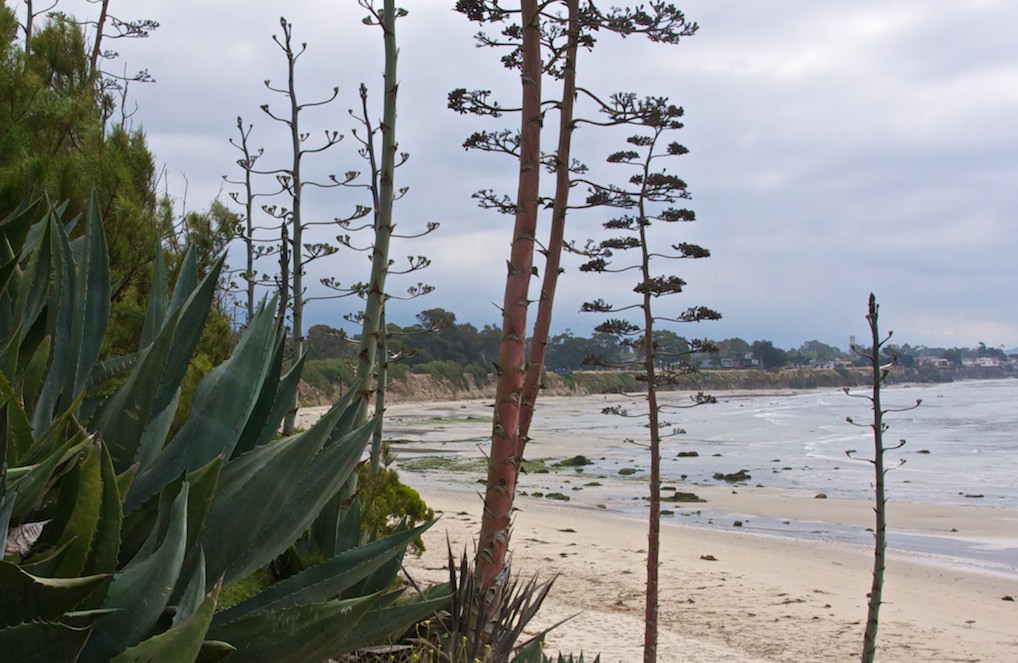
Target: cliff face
416 387
419 387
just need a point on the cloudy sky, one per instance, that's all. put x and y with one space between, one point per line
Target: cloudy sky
836 148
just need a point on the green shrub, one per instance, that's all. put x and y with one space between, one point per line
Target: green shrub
389 507
446 370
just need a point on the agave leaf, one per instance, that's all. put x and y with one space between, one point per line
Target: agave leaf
19 429
106 542
35 237
10 323
91 304
180 644
257 485
204 482
38 598
137 528
109 369
42 642
122 418
42 563
154 435
193 594
323 581
125 418
284 400
190 307
15 226
387 623
62 430
10 351
33 290
187 281
78 510
193 312
381 578
324 477
219 411
59 209
8 261
6 509
263 417
35 365
141 590
33 485
13 233
532 652
145 526
338 525
214 650
60 309
295 635
155 315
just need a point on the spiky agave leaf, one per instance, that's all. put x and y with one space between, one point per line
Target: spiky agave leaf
39 598
182 643
140 592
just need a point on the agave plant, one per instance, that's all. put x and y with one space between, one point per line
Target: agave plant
127 541
509 614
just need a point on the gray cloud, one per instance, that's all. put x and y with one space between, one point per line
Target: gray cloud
836 149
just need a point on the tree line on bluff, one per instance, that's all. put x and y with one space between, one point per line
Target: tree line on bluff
438 339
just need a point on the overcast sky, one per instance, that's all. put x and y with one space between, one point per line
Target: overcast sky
836 148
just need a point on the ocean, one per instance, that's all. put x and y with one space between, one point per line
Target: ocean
961 448
962 441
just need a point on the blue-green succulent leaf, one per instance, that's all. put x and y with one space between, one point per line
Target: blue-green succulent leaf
142 589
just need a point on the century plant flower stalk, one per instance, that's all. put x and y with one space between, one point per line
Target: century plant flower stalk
880 506
553 252
542 31
297 225
292 181
247 202
654 186
879 373
372 321
504 461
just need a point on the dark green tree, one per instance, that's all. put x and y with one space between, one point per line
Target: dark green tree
818 352
769 356
953 356
53 143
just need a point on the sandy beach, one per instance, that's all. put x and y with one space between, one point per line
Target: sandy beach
765 598
728 594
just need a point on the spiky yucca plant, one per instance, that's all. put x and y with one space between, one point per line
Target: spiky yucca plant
122 539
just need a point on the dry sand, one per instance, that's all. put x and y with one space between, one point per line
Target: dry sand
766 598
762 598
